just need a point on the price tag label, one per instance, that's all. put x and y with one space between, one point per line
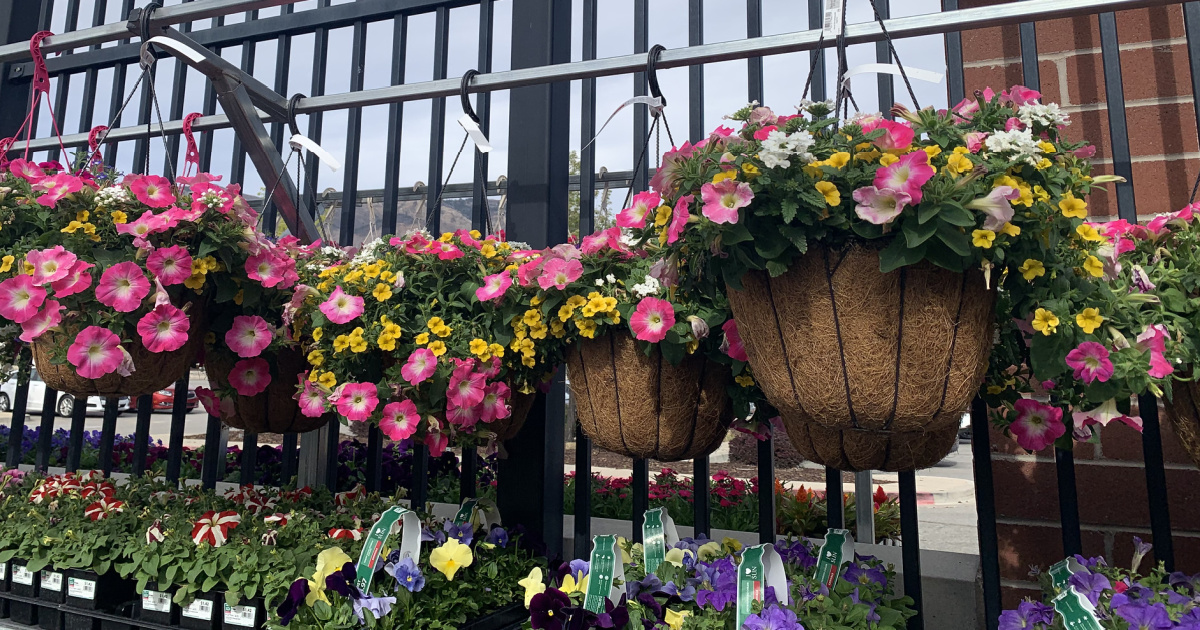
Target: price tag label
1061 572
606 574
658 533
156 601
838 548
761 568
22 575
1076 611
3 570
81 588
199 609
52 581
831 25
240 615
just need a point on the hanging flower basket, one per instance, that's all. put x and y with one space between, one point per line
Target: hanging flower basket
1183 413
641 405
869 370
274 409
507 428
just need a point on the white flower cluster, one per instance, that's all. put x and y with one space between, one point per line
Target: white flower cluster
649 286
779 147
368 253
1048 115
610 278
111 195
628 239
329 250
1019 142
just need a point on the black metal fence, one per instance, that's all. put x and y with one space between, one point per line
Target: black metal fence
532 188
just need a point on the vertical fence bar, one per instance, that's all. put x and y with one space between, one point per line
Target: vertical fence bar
353 137
1029 56
955 81
19 403
766 491
886 82
75 438
213 467
283 54
419 490
1118 128
583 490
391 172
641 495
108 431
70 23
437 122
46 429
208 107
1156 482
480 208
701 506
864 508
332 438
911 547
374 459
641 128
1068 501
316 120
237 162
178 418
833 498
178 93
985 506
91 75
469 472
1191 23
287 468
141 434
249 458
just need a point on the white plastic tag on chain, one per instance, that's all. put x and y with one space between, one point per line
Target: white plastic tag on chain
653 102
326 158
473 130
891 68
175 46
831 24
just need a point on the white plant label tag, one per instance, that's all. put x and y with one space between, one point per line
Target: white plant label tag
52 581
156 601
199 609
240 615
831 25
22 575
80 588
473 130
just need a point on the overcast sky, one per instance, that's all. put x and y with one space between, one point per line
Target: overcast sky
725 83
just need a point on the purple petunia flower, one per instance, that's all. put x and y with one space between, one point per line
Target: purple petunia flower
773 618
1144 617
857 574
871 614
1090 585
1027 615
1135 594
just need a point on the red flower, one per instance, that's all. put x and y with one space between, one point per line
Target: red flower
214 527
880 497
349 534
103 508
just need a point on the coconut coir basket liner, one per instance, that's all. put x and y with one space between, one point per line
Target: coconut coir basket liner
1183 412
642 406
275 409
153 370
508 428
849 351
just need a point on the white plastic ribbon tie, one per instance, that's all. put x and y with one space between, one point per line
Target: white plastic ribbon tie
473 130
316 149
655 104
891 68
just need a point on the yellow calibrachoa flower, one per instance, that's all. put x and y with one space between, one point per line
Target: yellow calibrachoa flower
6 264
354 276
1043 164
382 292
887 159
994 389
1094 267
1031 269
533 585
488 250
1010 229
1088 233
72 227
933 151
451 557
744 380
662 216
958 163
830 191
1045 322
1040 194
316 358
317 333
479 348
496 350
341 342
438 348
724 175
118 217
983 238
327 380
1089 320
839 159
1047 147
422 339
372 270
1072 207
751 170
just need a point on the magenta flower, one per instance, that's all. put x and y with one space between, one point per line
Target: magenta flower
311 399
26 170
171 265
77 279
50 265
466 386
906 175
975 140
463 417
420 366
250 376
164 329
210 400
249 336
1021 95
495 402
679 218
897 136
1037 424
879 206
357 401
145 225
635 216
152 190
95 352
494 287
652 319
207 197
20 298
123 286
47 318
1154 338
602 240
177 214
558 273
732 345
671 170
447 251
1159 366
266 268
1090 362
996 206
400 420
437 443
1105 413
340 308
722 201
56 187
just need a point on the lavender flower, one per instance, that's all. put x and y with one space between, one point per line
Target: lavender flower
1140 549
1027 615
407 575
773 618
1146 617
857 574
498 536
379 607
1090 585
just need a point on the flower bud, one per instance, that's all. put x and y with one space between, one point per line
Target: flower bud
699 326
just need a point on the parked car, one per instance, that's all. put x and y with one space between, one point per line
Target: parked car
164 399
65 404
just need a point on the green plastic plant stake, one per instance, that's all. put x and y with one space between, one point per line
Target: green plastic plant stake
604 573
761 568
838 548
1076 611
658 533
395 520
1061 572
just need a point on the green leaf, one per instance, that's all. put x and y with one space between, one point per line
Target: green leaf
916 232
672 352
927 211
1048 354
776 268
940 255
898 254
788 209
736 233
867 230
956 215
954 239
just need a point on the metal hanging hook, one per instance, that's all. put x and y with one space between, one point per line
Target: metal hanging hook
144 19
291 113
462 94
652 74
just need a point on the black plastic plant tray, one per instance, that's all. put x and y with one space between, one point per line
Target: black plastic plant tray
506 618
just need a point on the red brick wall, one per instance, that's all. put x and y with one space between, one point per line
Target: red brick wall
1110 476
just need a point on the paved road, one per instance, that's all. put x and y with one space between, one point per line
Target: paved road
160 423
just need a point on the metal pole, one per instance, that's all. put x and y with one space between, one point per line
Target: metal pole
864 507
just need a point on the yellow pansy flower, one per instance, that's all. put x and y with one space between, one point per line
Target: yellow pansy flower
532 584
1045 322
1089 320
451 557
674 620
1093 266
438 348
830 191
1031 269
574 583
983 238
1072 207
329 561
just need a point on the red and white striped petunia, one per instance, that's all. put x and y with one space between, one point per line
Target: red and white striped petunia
214 527
92 488
349 534
154 533
278 519
345 498
103 508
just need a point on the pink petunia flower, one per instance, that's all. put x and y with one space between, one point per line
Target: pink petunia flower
763 132
420 366
249 336
996 205
897 135
558 273
966 108
26 170
1037 424
602 240
153 190
50 265
164 329
123 287
1021 95
463 417
214 405
177 214
466 387
171 265
437 443
1085 152
635 216
494 287
1090 362
400 420
1159 366
357 401
207 197
265 267
652 319
250 376
495 402
145 225
906 175
975 140
1154 338
1105 413
723 200
20 298
56 187
447 251
732 345
47 318
671 170
879 206
527 271
679 218
341 307
311 399
95 352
